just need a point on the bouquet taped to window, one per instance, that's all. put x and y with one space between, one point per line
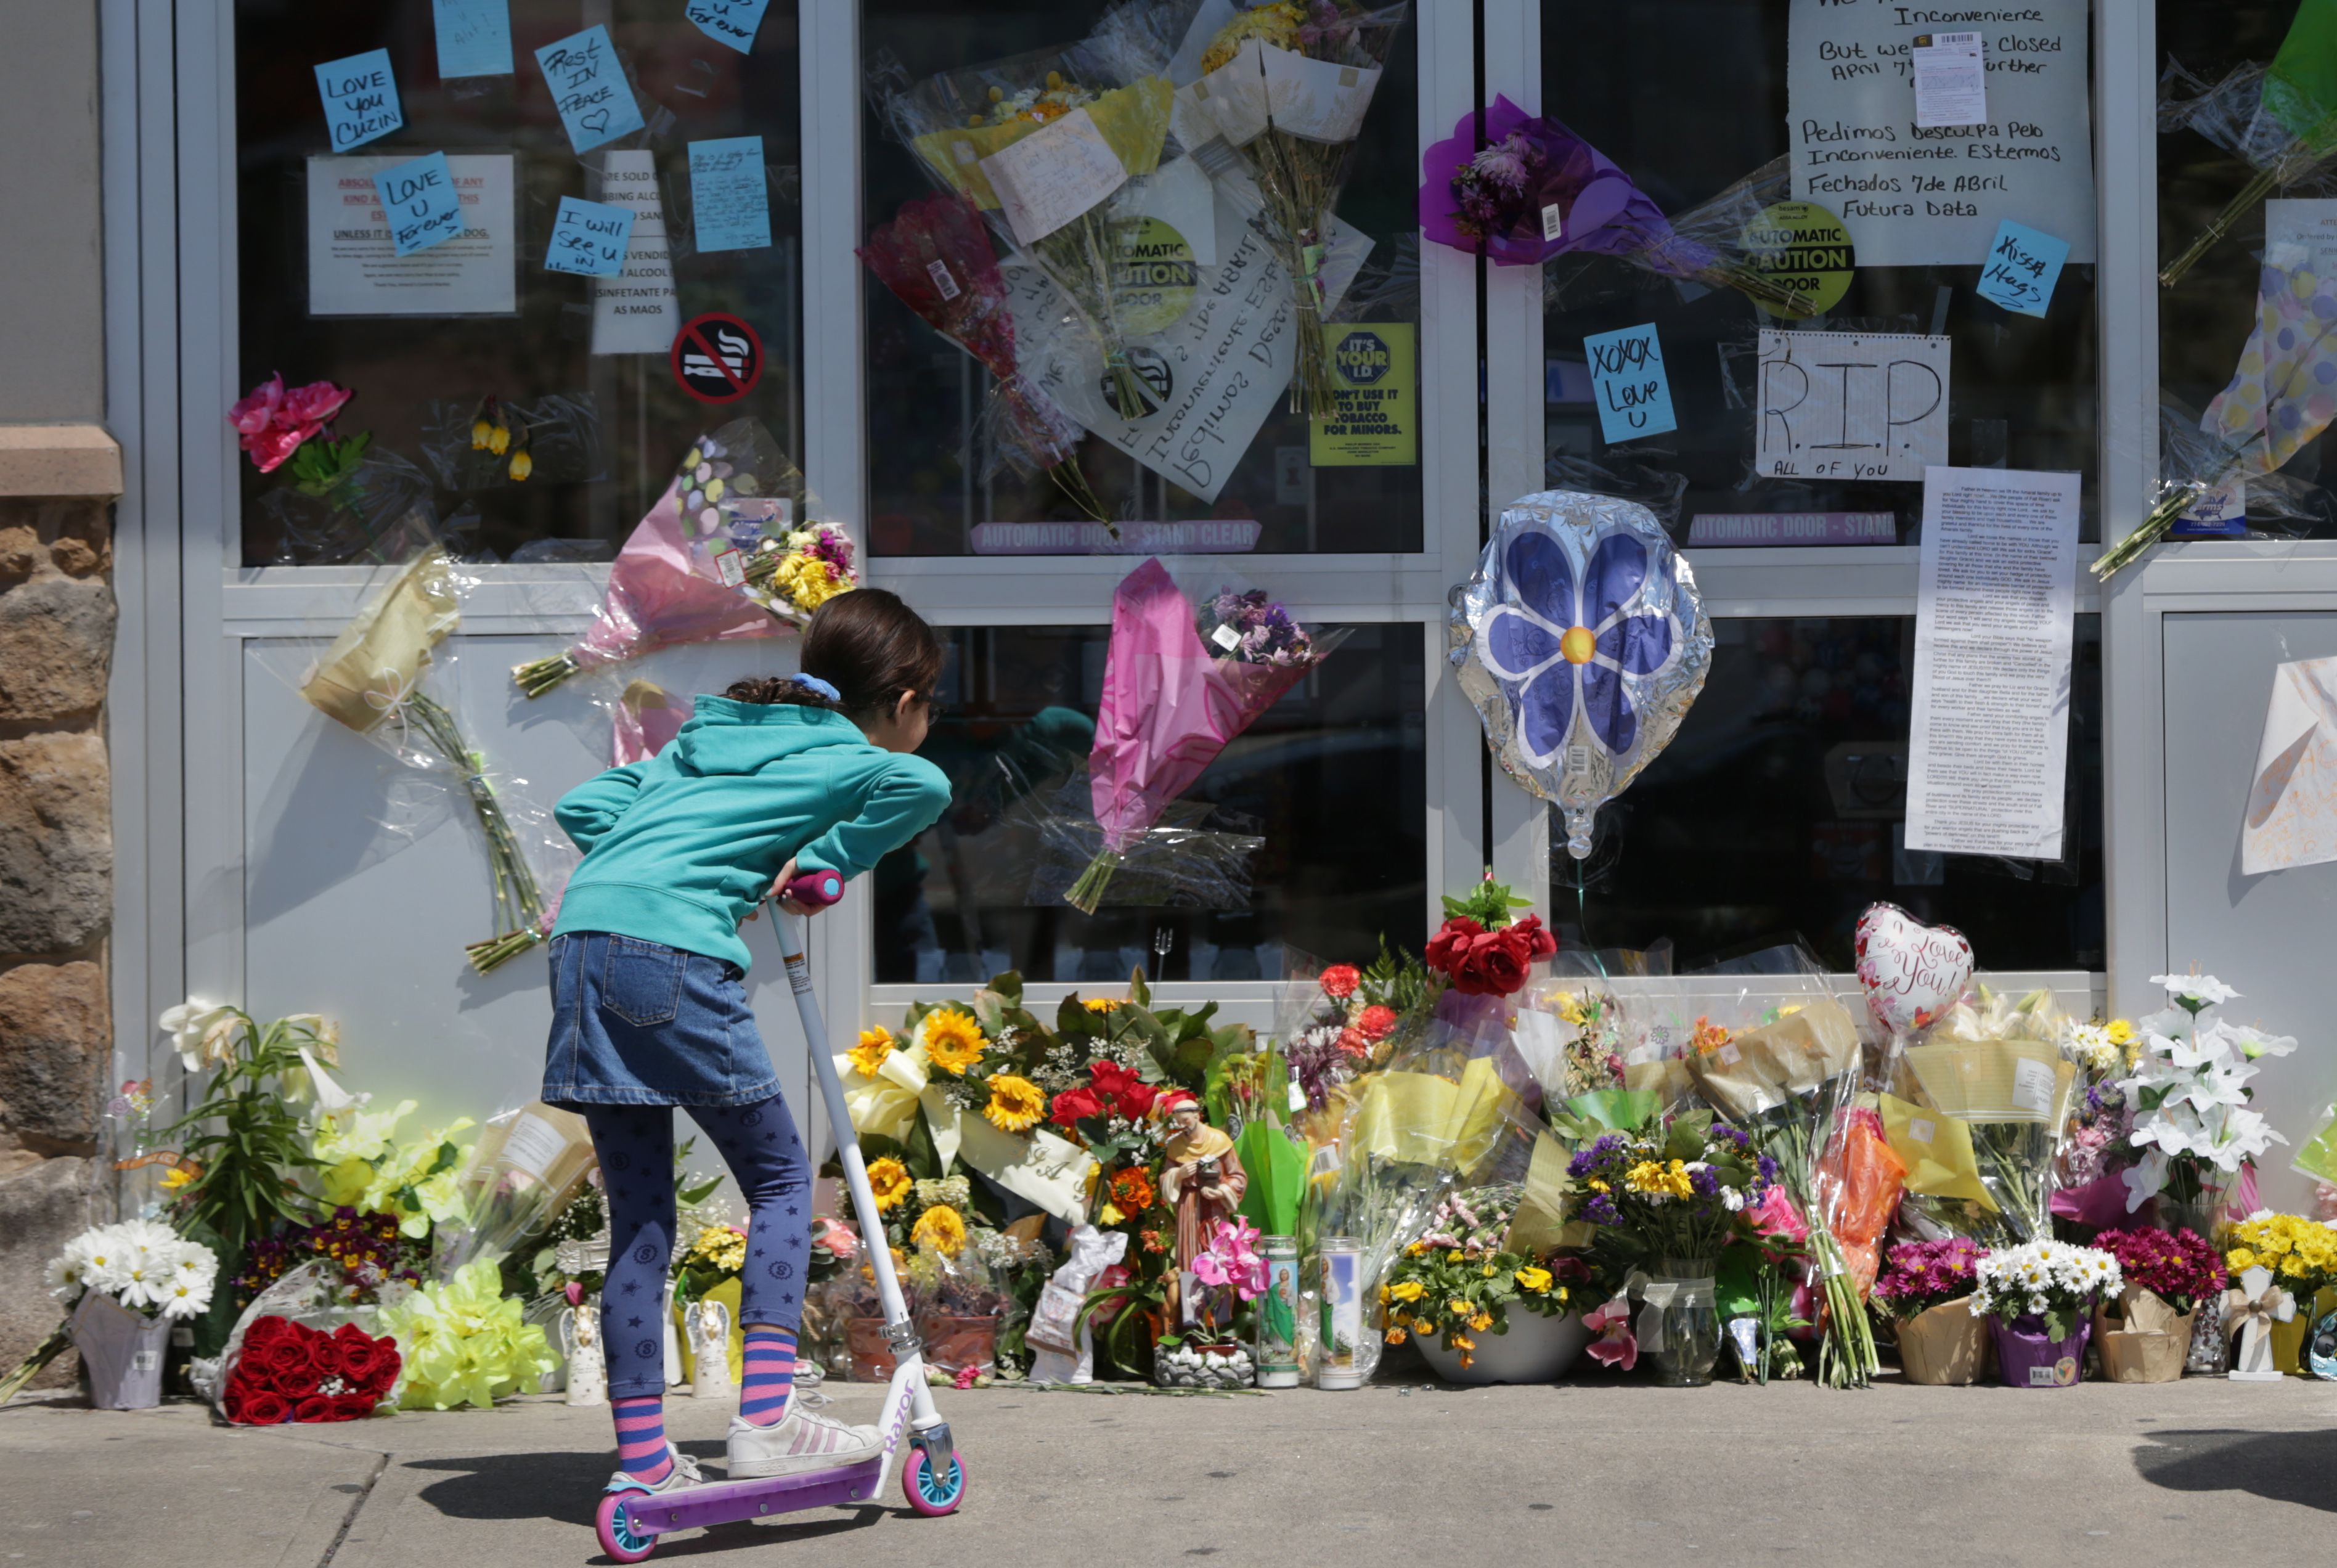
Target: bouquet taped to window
2279 118
730 550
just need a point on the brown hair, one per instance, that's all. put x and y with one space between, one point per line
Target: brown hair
870 646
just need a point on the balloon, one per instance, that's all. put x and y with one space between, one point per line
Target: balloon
1912 972
1582 640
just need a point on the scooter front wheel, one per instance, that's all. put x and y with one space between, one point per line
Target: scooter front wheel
932 1492
614 1525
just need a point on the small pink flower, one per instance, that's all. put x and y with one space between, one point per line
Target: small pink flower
256 413
1616 1346
314 404
273 447
966 1376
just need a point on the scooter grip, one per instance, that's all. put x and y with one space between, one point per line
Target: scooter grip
818 889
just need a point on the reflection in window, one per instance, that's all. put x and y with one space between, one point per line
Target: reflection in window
937 485
2023 390
1779 808
1333 779
528 414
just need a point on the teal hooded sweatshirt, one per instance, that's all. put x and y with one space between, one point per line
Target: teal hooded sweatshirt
678 850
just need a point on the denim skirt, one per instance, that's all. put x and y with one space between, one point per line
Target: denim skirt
637 1022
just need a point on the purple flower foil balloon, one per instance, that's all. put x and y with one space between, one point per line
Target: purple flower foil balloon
1581 640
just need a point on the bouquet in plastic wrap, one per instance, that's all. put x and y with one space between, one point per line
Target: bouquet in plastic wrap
1990 1077
1788 1075
1178 685
293 1357
1287 85
528 1165
726 553
935 257
1045 147
1536 190
2280 118
2193 1117
370 678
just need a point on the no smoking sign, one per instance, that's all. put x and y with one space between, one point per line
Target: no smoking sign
718 358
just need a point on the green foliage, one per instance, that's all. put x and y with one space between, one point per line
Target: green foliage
248 1140
1399 981
318 467
1488 904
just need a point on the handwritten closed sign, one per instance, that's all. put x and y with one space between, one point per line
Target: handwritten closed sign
1628 378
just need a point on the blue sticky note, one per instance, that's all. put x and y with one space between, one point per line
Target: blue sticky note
423 208
589 88
729 200
474 38
360 96
731 21
2023 265
1629 384
590 238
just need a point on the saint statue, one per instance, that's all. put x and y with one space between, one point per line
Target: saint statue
1201 1178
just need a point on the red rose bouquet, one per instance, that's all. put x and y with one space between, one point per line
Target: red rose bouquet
290 1372
1481 950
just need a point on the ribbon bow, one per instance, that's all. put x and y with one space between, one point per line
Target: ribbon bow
2266 1307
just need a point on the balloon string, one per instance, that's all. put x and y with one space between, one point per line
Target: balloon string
1582 922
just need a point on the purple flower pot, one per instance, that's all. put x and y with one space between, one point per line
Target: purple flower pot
2027 1358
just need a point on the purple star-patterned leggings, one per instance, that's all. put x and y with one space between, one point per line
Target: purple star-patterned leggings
766 1155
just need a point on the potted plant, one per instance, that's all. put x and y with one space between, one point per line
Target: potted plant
961 1305
2301 1255
2145 1333
1481 1312
125 1285
2040 1299
1926 1289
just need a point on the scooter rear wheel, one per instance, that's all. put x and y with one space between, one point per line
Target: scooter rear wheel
931 1492
614 1525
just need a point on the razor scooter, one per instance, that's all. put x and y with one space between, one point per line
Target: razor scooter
631 1521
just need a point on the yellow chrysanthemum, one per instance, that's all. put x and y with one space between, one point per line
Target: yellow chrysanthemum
941 1228
954 1041
888 1178
868 1056
1534 1279
2120 1032
807 581
1277 25
1100 1004
1015 1103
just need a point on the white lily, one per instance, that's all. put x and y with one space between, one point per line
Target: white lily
193 1025
332 1100
2204 989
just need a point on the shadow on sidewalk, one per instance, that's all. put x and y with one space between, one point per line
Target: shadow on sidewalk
2284 1466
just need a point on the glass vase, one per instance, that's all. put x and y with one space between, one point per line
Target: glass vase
1688 1317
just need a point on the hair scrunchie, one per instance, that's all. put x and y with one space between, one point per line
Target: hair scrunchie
817 687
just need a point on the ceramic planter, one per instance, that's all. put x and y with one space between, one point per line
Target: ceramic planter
1944 1346
1535 1350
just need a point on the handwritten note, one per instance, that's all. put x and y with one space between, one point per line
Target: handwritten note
729 199
730 22
1930 195
588 238
1629 380
361 95
2023 265
422 205
1851 406
474 38
589 88
1053 174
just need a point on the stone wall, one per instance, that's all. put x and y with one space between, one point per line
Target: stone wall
57 883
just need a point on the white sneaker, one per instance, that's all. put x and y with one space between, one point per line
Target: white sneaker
685 1473
801 1441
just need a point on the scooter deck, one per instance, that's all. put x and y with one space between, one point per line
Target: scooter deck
727 1502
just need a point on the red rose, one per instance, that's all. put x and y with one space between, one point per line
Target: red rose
1542 943
1375 1023
1073 1106
354 1407
263 1408
264 1330
315 1408
387 1364
1340 980
355 1351
1121 1089
288 1364
1451 940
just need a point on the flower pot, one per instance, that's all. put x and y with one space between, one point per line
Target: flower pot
1945 1346
871 1353
2147 1343
121 1353
1535 1350
2027 1358
953 1344
2288 1344
1688 1339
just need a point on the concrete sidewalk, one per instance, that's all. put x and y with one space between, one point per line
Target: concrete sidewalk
1600 1472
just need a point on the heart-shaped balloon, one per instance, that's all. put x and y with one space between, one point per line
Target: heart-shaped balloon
1912 972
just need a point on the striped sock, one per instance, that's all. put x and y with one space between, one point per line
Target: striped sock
769 1374
640 1439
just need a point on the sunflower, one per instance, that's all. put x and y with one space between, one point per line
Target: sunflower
1131 1189
888 1178
1015 1103
941 1228
876 1045
954 1041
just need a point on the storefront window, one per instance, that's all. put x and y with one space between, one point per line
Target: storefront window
1333 779
1778 140
1217 463
1778 811
525 413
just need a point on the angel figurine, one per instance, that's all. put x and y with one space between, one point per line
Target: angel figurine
588 1370
709 1350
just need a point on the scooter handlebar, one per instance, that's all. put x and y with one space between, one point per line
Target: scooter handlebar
817 889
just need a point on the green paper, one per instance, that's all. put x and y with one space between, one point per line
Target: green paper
2300 90
1614 1109
2318 1158
1277 1176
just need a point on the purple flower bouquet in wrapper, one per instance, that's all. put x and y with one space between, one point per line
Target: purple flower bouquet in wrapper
1537 191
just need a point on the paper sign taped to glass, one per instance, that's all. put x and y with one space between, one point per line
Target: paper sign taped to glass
1581 640
2291 816
1854 405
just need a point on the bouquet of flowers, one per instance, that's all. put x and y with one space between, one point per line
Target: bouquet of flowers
1481 950
1172 700
526 1168
1287 85
2300 1253
2190 1096
137 1270
1537 191
2181 1267
1921 1275
365 1255
1043 148
1461 1279
465 1342
2282 118
725 554
936 258
287 1371
1671 1194
1995 1066
2050 1280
